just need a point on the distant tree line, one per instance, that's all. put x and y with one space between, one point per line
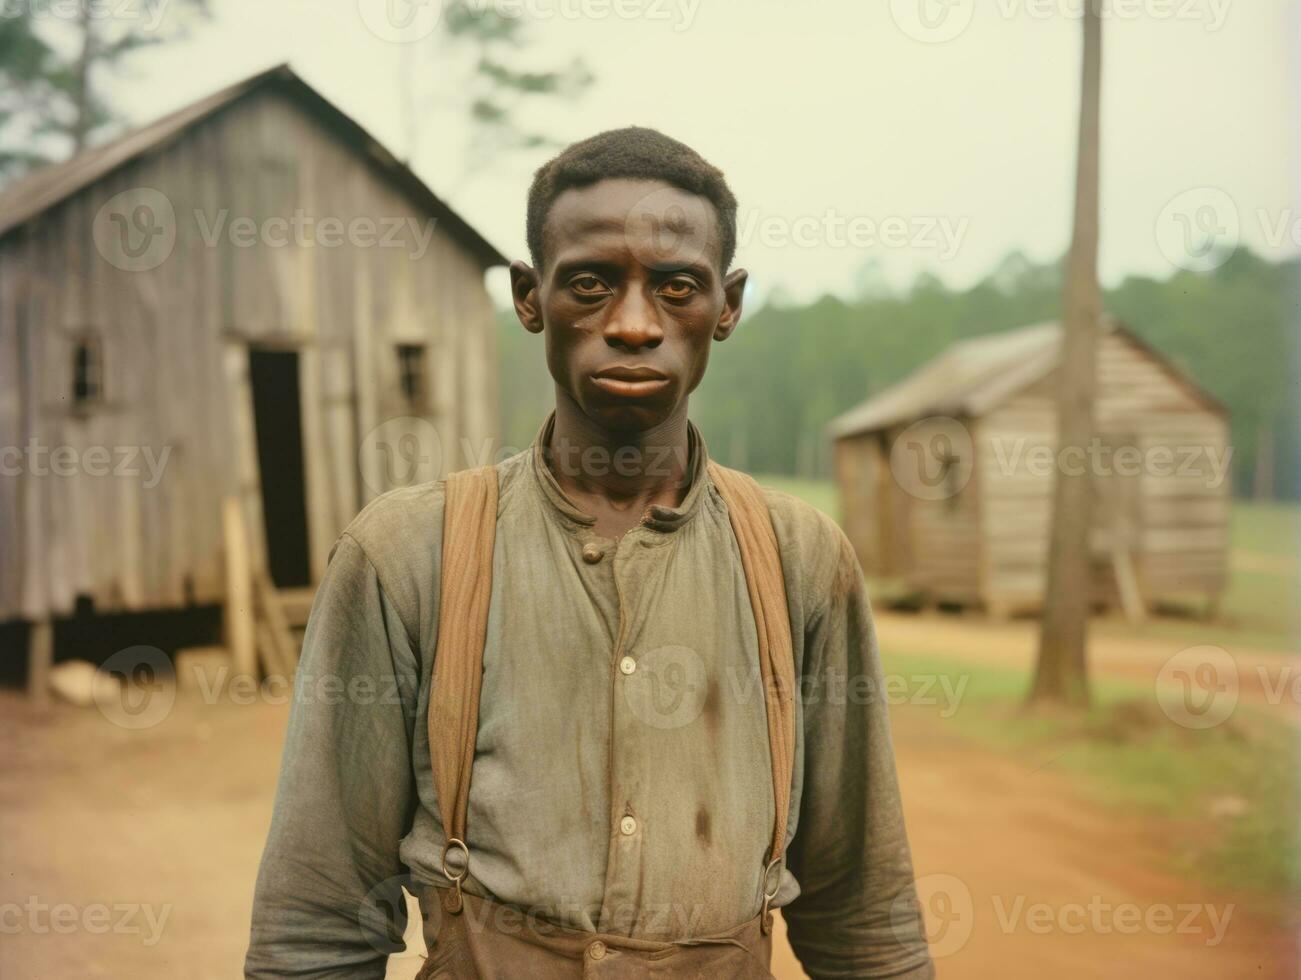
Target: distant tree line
789 369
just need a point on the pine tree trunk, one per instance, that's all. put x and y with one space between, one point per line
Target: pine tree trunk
81 82
1061 674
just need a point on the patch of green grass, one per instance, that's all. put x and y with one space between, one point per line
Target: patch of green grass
1227 794
1235 634
1270 529
1263 571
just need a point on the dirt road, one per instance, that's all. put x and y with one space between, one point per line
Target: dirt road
1023 878
132 854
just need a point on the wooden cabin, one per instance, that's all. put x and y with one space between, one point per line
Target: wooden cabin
946 478
247 300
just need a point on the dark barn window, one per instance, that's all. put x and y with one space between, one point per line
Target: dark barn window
87 372
411 374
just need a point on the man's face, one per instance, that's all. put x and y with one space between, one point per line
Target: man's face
629 299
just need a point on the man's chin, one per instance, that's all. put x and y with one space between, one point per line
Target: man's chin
628 415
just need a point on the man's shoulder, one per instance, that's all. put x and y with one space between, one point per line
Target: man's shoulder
798 518
815 553
409 520
399 517
797 522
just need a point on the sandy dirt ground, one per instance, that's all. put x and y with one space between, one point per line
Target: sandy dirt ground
1267 677
131 854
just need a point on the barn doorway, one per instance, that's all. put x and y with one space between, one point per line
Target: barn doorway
277 421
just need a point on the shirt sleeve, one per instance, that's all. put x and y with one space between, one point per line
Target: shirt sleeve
857 913
328 901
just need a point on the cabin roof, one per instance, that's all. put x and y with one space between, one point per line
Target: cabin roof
972 377
30 196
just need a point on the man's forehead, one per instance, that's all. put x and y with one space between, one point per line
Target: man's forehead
656 220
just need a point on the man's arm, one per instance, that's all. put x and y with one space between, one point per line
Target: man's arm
855 915
328 900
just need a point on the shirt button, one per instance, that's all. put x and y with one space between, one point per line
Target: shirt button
597 950
627 665
592 553
627 826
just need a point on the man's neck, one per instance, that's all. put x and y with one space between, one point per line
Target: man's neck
618 475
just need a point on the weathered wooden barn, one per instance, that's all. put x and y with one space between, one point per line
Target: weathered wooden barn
946 478
249 299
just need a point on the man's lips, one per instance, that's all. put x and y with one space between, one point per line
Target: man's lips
630 382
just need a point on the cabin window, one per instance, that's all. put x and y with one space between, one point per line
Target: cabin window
87 372
412 374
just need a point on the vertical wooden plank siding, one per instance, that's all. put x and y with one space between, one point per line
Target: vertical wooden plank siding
175 340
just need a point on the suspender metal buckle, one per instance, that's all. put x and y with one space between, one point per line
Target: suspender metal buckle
772 880
452 897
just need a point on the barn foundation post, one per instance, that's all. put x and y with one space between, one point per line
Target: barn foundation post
40 658
239 622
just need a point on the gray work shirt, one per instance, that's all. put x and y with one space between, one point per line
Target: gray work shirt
622 780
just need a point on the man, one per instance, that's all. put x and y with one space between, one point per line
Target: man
625 781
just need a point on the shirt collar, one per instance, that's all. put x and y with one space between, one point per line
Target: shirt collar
659 518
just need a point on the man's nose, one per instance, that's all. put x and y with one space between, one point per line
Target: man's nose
634 323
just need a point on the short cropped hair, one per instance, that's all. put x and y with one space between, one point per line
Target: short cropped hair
633 153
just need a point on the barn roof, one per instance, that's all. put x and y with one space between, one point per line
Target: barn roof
973 376
29 196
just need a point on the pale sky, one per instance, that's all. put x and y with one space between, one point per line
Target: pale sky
850 130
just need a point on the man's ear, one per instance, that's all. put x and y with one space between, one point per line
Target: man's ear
733 294
524 295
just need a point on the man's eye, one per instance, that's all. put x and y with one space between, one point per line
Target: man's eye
587 286
678 288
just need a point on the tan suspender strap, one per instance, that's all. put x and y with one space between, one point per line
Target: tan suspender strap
469 530
752 525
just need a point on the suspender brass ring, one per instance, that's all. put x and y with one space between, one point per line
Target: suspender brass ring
452 896
772 880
